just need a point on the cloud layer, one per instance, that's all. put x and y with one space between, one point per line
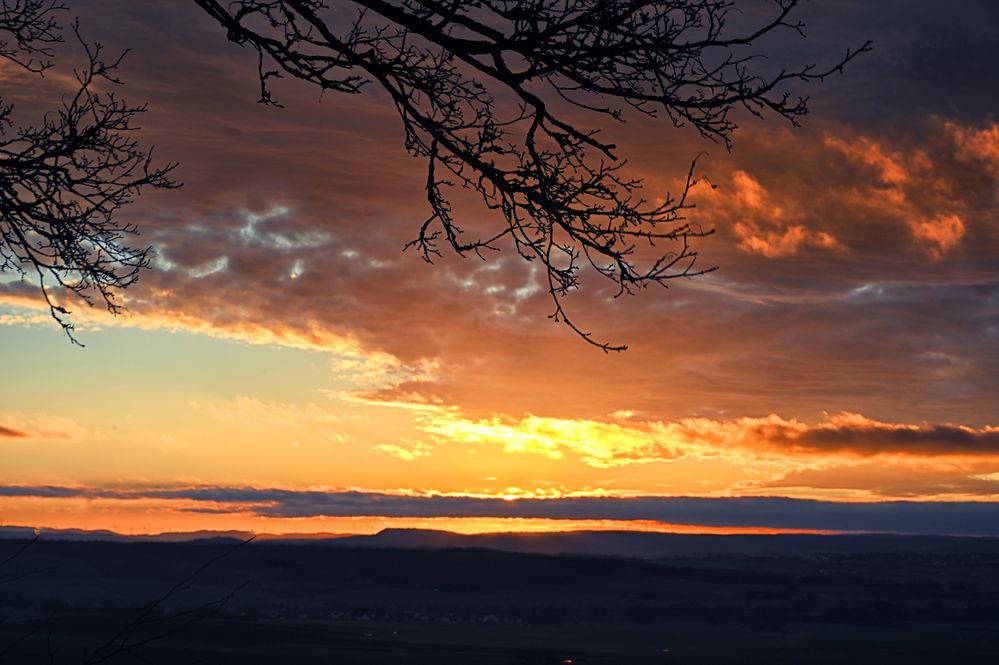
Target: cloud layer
955 518
846 252
857 278
625 441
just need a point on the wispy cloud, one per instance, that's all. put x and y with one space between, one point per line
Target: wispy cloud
39 427
11 433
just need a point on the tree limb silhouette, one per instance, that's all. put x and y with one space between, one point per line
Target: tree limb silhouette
28 29
63 181
490 92
152 623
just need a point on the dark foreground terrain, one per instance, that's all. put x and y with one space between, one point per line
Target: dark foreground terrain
922 602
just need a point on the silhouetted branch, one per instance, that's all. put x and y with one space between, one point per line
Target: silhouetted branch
128 637
63 181
19 551
558 186
7 578
150 623
28 29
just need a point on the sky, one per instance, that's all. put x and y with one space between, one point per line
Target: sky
286 367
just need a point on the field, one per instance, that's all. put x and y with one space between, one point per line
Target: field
320 604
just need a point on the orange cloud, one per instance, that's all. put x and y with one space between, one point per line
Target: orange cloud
774 244
857 434
913 187
977 144
887 165
941 233
11 433
599 444
898 477
605 444
767 224
39 427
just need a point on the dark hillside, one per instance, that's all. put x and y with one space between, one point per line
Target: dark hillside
315 603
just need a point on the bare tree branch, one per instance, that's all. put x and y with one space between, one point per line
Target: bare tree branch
451 68
63 181
19 551
28 29
151 623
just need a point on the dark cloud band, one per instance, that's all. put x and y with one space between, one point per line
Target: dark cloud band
945 518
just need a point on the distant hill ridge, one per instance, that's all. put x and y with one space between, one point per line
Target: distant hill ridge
602 543
658 545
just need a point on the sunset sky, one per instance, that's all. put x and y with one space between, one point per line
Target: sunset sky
286 367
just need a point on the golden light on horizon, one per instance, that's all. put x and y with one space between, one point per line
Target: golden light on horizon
150 517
